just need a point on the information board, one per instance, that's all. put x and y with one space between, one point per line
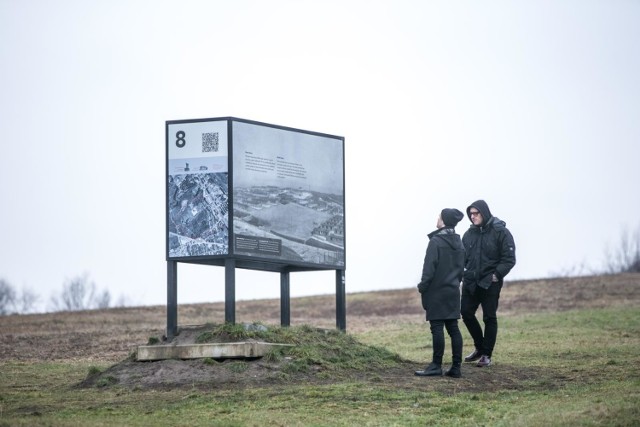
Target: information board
259 193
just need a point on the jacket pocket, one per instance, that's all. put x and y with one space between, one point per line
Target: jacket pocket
468 287
423 297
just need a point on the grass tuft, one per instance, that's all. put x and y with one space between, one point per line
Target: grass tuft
238 367
94 370
106 381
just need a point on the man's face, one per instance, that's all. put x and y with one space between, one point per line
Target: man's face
476 217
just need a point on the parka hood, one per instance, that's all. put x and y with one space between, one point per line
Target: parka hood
483 208
448 235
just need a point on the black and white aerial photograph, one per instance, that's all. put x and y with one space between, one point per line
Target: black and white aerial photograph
198 214
288 195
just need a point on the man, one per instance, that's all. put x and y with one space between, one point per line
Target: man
490 253
440 291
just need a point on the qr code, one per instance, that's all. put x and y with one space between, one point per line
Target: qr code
209 142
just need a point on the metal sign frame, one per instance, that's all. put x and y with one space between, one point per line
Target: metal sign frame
263 250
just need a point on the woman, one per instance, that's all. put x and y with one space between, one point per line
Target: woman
440 291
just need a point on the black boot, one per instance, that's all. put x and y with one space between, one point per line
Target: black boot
454 371
433 370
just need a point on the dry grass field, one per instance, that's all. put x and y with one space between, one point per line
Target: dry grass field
112 334
568 345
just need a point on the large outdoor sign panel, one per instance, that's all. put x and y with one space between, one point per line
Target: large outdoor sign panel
288 195
197 189
262 194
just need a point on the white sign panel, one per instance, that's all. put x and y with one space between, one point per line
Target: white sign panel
198 186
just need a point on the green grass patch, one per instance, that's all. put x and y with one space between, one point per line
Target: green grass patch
577 339
586 363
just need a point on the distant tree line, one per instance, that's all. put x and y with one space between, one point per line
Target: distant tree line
625 258
12 301
78 293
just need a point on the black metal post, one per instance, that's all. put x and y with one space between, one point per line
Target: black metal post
341 301
285 299
172 299
230 290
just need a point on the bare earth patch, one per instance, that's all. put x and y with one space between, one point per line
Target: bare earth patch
112 336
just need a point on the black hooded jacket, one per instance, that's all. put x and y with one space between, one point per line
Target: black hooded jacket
442 274
489 249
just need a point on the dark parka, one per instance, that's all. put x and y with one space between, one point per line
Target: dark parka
442 274
489 250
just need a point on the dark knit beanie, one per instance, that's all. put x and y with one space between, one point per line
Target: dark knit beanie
451 217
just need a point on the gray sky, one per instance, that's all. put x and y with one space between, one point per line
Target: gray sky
533 106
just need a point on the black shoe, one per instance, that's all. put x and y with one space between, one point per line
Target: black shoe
473 356
433 370
453 372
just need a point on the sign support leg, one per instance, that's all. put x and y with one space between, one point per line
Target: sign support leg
172 299
285 299
230 290
341 301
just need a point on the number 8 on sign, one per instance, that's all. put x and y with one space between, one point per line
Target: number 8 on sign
180 141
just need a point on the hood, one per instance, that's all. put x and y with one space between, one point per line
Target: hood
448 235
483 208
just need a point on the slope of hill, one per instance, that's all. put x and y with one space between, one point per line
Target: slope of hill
112 334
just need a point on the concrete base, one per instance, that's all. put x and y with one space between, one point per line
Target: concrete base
198 351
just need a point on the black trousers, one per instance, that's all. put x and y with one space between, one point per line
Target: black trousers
437 335
488 299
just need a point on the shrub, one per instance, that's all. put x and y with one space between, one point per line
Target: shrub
7 297
626 257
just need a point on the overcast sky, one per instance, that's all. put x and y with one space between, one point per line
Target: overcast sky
532 106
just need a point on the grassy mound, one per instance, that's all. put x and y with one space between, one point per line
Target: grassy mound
329 350
316 355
